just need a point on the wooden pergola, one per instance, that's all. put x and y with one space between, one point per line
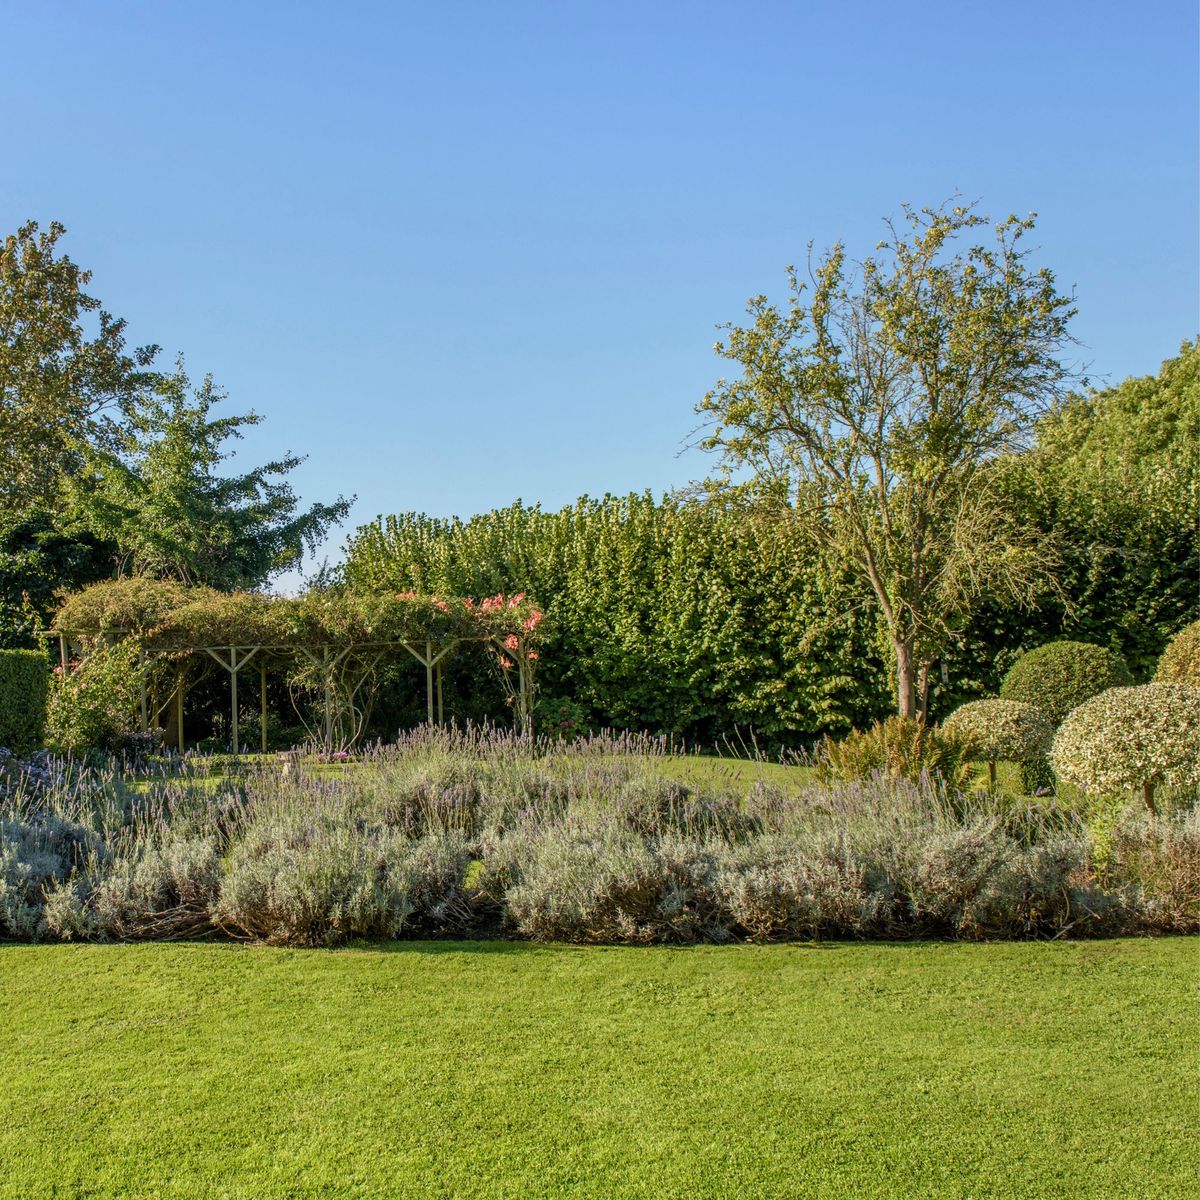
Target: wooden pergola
234 658
429 629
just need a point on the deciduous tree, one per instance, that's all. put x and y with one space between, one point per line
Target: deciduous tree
875 403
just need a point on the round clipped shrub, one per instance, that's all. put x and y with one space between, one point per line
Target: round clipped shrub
1000 729
1132 737
1180 662
1060 676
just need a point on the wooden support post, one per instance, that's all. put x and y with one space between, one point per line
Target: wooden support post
62 652
429 680
262 693
233 699
179 711
440 706
523 693
328 699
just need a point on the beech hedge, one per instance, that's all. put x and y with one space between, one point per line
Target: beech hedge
24 687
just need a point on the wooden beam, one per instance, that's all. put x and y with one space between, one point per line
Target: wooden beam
429 680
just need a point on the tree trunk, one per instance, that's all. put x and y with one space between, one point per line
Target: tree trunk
923 691
906 704
1148 796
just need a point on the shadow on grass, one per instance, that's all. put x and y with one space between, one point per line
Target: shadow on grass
514 946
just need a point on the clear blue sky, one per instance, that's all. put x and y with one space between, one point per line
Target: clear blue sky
461 253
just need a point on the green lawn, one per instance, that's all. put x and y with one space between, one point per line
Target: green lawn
511 1070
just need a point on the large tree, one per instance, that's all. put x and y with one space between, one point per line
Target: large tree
64 369
159 496
875 404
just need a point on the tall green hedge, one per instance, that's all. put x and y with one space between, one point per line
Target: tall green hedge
708 622
660 615
24 688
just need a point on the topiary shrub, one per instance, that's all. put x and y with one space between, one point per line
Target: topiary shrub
1000 729
1060 676
24 687
1130 738
1180 662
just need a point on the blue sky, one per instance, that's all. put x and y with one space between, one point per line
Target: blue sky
461 253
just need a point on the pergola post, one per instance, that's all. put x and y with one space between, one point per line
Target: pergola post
328 699
522 684
143 706
429 680
233 704
262 696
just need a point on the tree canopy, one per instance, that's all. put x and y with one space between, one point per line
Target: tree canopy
875 404
61 382
158 496
110 465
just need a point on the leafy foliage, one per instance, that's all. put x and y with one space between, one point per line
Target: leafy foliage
901 747
96 705
60 389
157 495
878 406
38 560
24 688
1060 676
1132 737
1114 481
1180 662
698 619
1008 730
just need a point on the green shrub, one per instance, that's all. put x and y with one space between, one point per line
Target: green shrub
24 688
37 852
321 878
1130 738
1060 676
900 747
561 717
994 730
775 888
96 706
1180 662
160 886
604 885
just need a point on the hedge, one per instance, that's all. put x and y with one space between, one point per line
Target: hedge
1060 676
24 688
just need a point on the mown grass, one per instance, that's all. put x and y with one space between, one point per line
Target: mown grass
697 770
499 1069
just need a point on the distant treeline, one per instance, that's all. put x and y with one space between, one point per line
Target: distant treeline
717 622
